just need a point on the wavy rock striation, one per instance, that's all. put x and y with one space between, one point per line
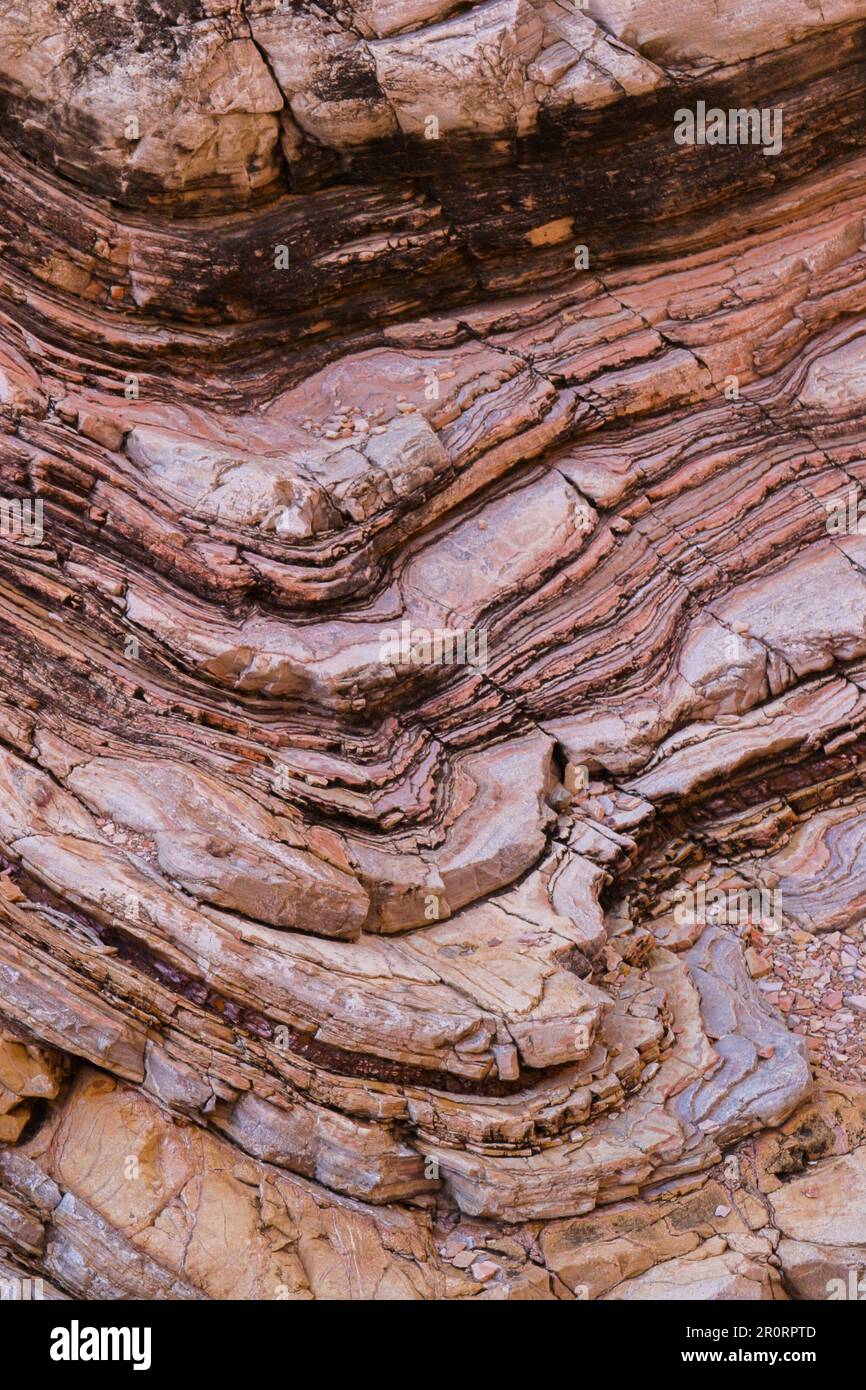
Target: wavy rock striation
433 707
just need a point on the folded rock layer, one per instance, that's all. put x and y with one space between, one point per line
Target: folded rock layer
433 602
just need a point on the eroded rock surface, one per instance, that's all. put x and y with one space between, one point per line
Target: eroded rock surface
433 599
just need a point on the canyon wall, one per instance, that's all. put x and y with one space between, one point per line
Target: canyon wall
433 616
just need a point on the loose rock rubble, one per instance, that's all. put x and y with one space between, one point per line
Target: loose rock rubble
334 965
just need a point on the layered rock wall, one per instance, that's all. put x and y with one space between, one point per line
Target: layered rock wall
433 603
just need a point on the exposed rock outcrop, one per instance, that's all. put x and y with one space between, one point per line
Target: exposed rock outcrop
433 598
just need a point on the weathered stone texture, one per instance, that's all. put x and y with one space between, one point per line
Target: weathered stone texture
433 605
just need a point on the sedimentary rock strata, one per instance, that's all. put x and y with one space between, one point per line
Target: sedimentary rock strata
433 600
